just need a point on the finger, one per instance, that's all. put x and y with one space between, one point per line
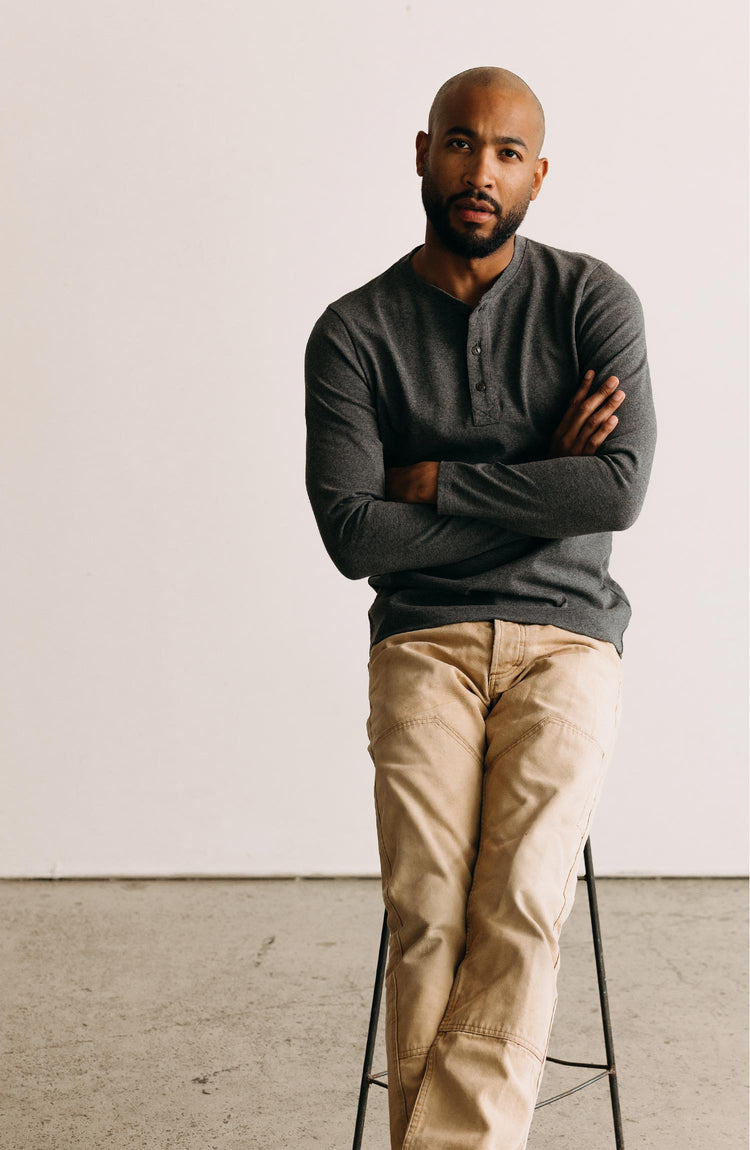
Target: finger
579 410
572 408
600 395
598 406
583 393
596 419
609 406
584 389
597 439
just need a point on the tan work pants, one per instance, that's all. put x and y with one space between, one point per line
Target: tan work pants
490 741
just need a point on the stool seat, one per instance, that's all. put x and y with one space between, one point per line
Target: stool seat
606 1070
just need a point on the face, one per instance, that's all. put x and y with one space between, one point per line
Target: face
480 169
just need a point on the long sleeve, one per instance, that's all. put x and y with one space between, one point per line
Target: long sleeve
364 533
557 498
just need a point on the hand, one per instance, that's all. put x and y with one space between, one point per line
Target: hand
588 421
416 483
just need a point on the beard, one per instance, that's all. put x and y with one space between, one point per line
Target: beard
471 245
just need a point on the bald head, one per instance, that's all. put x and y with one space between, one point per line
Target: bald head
498 79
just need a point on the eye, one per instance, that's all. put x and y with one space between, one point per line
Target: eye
458 144
511 152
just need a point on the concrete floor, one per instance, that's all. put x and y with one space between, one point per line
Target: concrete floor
219 1015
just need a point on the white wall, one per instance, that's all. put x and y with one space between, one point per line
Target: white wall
185 186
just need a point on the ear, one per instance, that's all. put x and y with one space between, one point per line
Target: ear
540 171
423 144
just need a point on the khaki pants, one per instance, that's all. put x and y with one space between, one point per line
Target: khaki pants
490 741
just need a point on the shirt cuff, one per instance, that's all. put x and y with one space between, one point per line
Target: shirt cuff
447 504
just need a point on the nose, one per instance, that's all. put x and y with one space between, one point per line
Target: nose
479 172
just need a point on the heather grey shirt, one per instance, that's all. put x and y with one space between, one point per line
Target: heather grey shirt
400 371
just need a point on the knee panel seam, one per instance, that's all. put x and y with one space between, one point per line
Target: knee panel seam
427 720
492 1032
539 726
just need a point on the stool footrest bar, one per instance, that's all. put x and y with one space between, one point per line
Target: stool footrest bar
573 1090
583 1065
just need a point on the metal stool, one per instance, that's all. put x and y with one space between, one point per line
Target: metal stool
369 1079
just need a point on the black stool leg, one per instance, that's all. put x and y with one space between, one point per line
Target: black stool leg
371 1035
603 996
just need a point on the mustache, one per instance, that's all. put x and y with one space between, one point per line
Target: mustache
479 196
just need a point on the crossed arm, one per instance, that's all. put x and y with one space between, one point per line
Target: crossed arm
586 424
376 522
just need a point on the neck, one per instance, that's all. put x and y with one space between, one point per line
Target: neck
466 279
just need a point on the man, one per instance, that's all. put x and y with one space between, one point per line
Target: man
464 453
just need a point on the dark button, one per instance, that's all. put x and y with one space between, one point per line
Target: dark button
480 386
477 349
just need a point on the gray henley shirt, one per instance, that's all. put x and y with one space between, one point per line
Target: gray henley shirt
400 371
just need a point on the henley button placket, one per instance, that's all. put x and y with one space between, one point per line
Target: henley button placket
480 405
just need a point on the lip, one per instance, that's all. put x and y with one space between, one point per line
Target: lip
474 211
